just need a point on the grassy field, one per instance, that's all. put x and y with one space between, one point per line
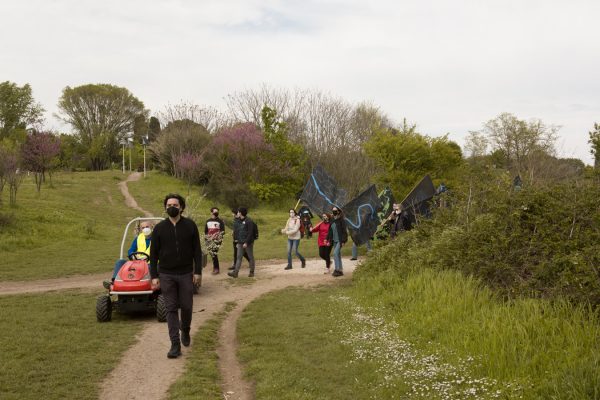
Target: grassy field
72 228
53 348
530 347
423 335
433 336
75 227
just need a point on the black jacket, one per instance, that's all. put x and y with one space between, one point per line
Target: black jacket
400 223
176 248
340 225
245 231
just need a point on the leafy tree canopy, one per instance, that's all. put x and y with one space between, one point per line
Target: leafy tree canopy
93 110
18 109
404 156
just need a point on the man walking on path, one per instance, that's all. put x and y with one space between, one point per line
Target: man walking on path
246 233
214 229
176 265
236 229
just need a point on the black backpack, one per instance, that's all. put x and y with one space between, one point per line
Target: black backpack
255 231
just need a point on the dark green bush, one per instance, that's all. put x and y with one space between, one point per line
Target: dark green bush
539 242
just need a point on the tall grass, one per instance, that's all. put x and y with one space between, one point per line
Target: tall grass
548 349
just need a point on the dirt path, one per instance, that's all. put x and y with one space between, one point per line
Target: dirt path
149 352
129 200
125 383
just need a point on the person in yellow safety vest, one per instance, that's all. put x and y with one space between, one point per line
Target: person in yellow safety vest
140 243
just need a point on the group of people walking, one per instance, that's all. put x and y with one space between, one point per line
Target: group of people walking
174 245
332 235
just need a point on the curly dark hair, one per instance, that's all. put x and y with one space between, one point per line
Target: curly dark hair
175 196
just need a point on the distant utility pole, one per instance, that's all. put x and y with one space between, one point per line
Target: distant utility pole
123 142
130 140
144 144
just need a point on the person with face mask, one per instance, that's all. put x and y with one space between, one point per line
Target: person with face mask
141 243
214 229
398 220
176 248
337 236
292 230
324 245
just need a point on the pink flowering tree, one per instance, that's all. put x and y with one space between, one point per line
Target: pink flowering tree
190 167
37 153
237 157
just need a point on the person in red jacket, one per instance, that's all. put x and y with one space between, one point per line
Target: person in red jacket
324 245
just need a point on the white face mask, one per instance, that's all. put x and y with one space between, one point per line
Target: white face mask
147 231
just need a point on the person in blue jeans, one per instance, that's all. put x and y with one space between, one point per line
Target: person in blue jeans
355 250
141 243
292 230
338 236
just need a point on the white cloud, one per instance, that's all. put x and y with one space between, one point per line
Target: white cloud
448 66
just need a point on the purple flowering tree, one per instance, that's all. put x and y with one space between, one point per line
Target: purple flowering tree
37 153
190 167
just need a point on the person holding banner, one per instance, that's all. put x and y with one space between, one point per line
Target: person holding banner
324 245
337 236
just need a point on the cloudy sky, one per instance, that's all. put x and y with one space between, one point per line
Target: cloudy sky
447 66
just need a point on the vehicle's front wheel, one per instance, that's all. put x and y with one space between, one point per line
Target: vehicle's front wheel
103 308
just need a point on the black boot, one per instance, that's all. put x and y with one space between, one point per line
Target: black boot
289 266
185 337
303 263
233 274
175 350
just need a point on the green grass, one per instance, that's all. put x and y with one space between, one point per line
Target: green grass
202 379
549 350
53 348
72 228
291 345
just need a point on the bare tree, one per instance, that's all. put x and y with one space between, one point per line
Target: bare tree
518 139
331 129
209 117
476 144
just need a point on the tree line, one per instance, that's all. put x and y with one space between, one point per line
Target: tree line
264 144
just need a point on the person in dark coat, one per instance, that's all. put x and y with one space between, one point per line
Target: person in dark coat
236 225
246 233
175 267
337 236
399 220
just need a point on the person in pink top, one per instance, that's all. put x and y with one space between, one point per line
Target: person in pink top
324 245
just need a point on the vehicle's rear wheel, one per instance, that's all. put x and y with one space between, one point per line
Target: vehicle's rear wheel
161 309
103 308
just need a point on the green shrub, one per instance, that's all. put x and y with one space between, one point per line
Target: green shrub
540 242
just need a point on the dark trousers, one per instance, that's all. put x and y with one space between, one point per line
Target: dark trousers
248 252
235 254
325 254
178 291
215 259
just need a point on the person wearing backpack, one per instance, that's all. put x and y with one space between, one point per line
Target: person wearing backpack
246 233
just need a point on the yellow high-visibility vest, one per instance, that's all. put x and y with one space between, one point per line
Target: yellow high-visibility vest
141 244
